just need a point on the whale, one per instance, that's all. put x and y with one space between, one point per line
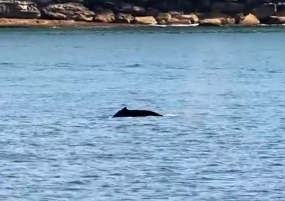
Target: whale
125 112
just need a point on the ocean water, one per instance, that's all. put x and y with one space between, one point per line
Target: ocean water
222 91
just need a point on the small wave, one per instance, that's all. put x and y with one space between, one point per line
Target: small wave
170 115
165 115
133 65
4 64
270 25
176 25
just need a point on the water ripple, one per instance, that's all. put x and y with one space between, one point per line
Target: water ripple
221 138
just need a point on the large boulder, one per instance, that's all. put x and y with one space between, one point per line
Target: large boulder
163 16
264 11
211 22
124 18
192 17
174 21
161 22
105 16
227 7
171 21
215 19
249 20
229 21
19 9
175 17
146 20
68 11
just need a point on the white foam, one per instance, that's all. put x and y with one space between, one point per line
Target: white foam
176 25
170 115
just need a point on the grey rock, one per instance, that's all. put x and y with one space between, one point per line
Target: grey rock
68 11
19 9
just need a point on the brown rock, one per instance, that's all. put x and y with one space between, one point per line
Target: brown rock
105 16
19 9
172 21
175 13
215 19
227 7
249 20
211 22
184 17
163 16
147 20
238 17
177 21
229 21
192 17
161 22
68 11
264 11
202 16
124 18
82 17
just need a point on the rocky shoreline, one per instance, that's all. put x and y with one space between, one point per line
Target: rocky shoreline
77 13
38 23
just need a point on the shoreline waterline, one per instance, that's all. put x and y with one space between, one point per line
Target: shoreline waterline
42 23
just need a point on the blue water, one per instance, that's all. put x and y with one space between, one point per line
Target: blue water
222 90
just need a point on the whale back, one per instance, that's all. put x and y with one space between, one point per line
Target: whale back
142 113
135 113
121 113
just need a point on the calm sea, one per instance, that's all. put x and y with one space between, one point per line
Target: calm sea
222 90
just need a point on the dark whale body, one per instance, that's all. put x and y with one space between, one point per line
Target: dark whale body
135 113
